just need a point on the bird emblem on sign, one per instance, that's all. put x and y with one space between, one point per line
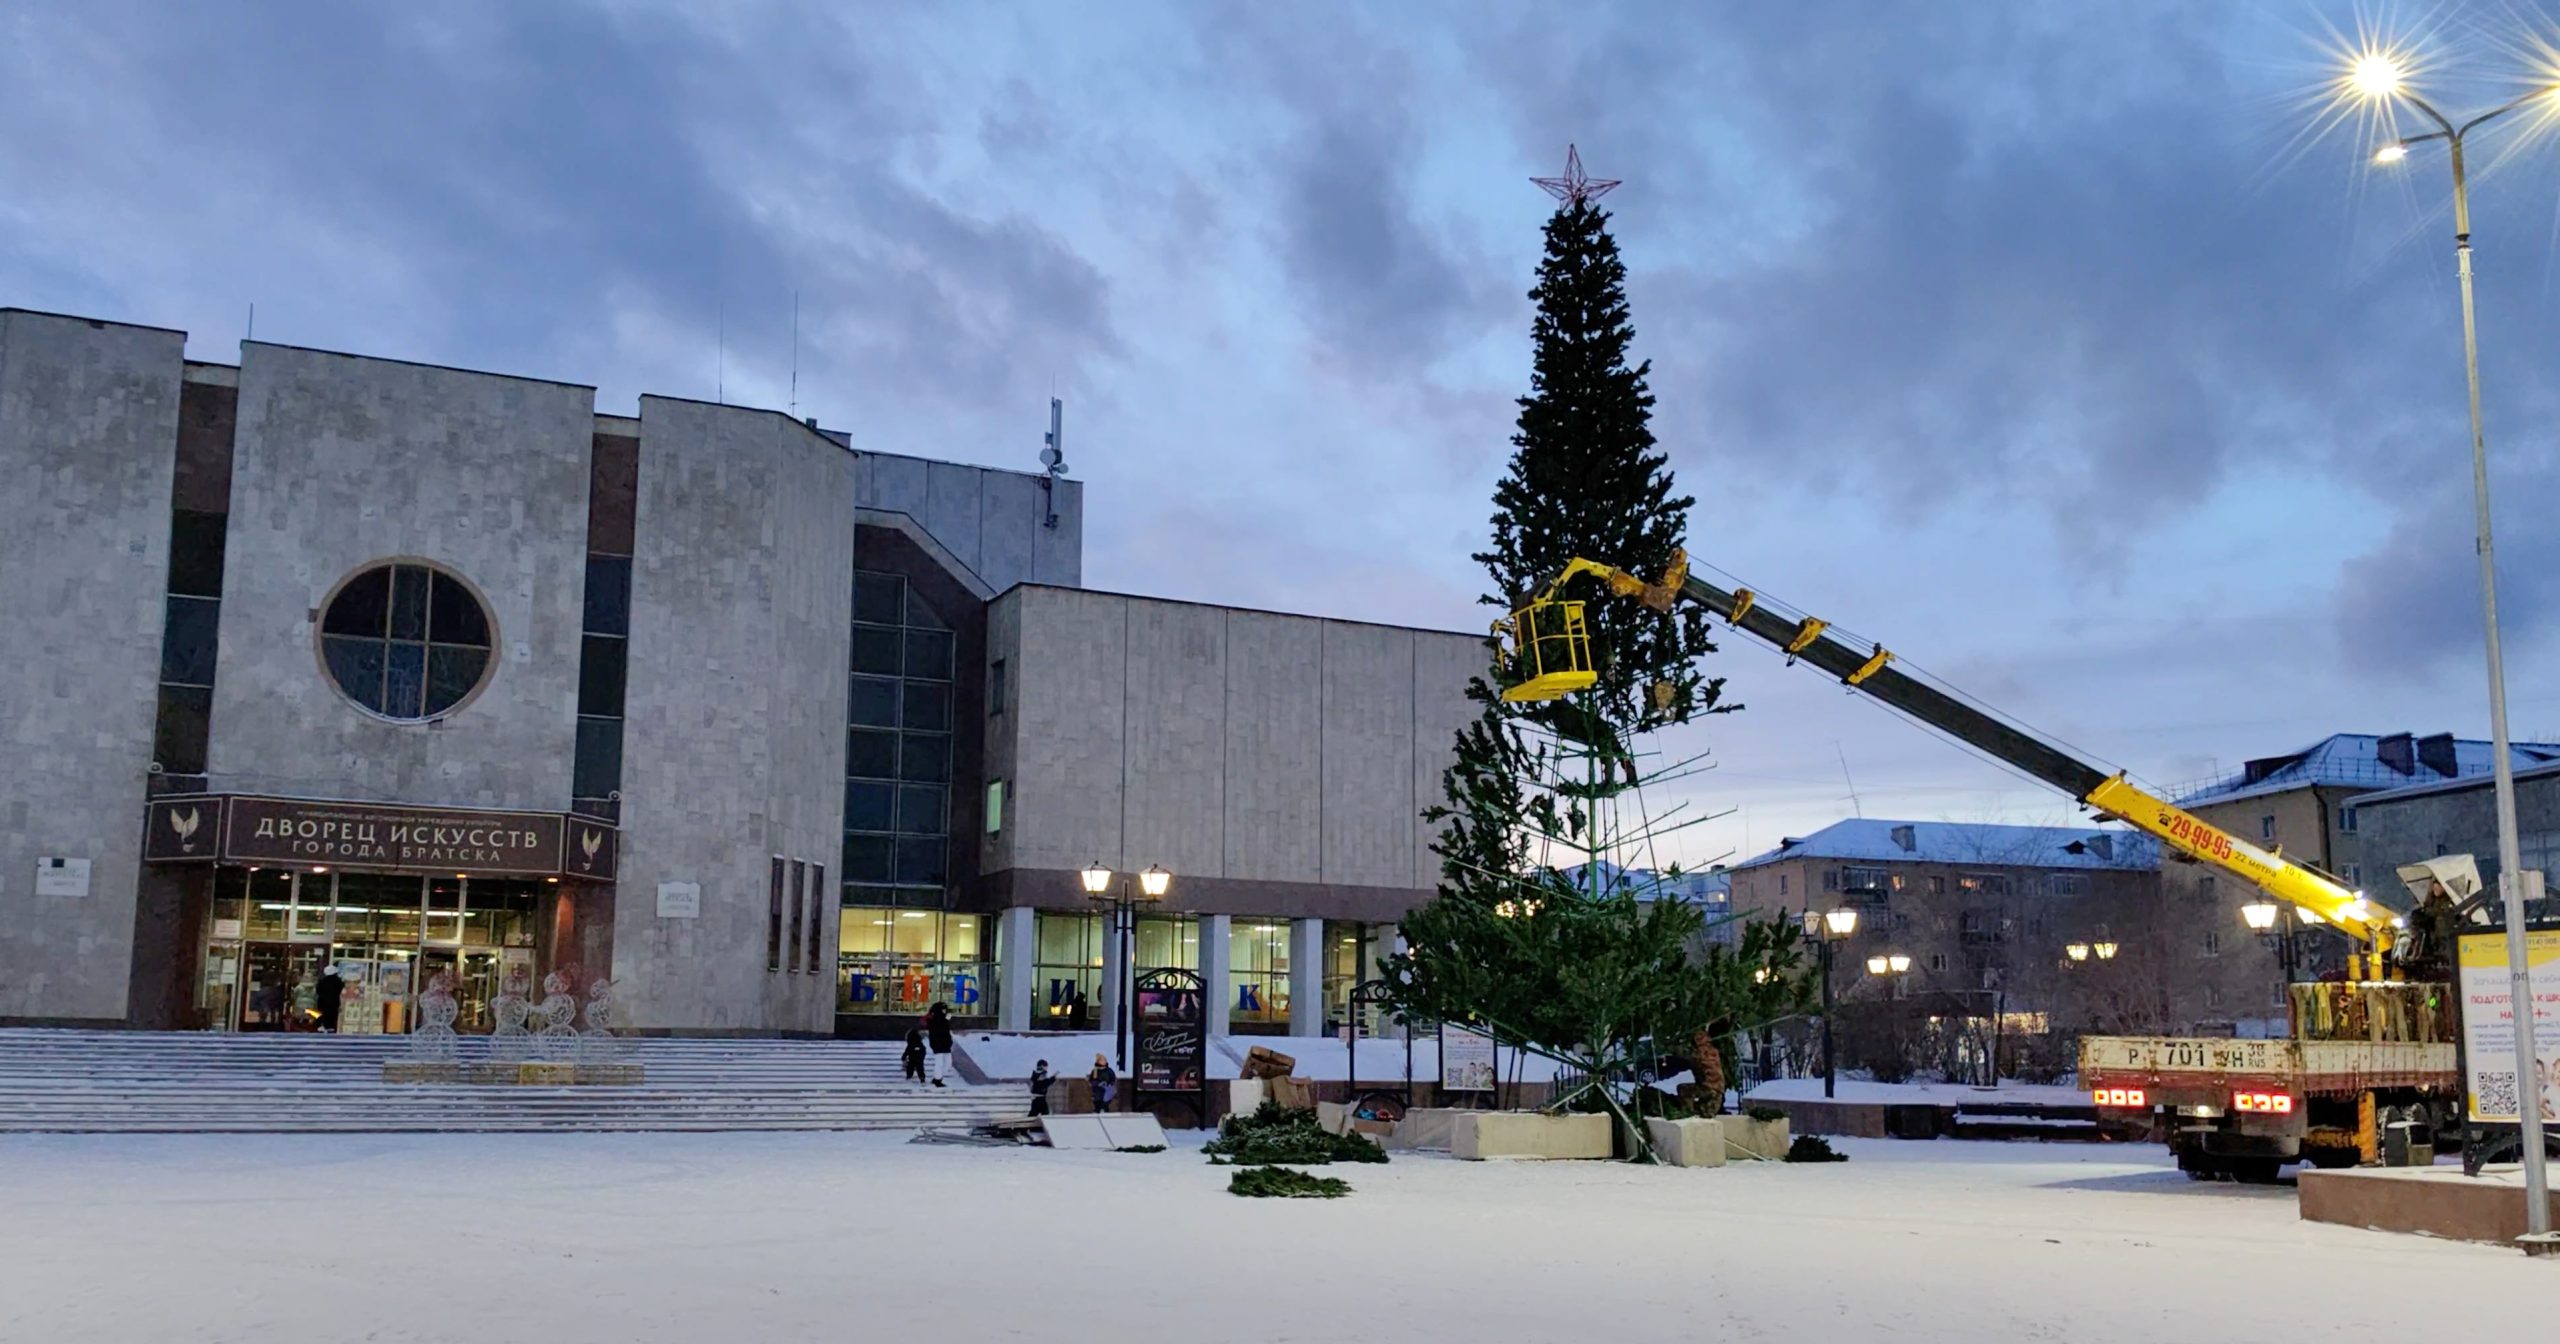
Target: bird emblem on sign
185 824
589 841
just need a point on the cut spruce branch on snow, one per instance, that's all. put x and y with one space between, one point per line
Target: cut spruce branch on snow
1282 1183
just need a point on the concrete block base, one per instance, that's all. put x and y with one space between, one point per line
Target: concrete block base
1764 1139
1487 1134
1687 1143
410 1071
1428 1129
2432 1201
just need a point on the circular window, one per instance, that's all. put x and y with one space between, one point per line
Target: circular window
406 641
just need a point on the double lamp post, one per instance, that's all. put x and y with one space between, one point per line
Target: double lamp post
1123 903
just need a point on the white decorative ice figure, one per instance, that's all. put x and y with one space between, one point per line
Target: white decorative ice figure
433 1041
509 1041
597 1044
558 1039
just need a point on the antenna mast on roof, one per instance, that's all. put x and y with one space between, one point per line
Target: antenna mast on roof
1053 455
795 354
1855 809
720 366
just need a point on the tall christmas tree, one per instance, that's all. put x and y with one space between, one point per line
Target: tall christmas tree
1532 935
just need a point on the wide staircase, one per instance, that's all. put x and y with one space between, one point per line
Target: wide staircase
177 1082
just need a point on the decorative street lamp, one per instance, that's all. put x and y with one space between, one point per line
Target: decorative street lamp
2076 951
2381 77
1827 928
1099 888
2105 951
2262 916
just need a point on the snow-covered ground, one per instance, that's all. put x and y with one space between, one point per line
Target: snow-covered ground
642 1238
1008 1056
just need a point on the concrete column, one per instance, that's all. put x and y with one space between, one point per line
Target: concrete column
1306 977
1017 948
1114 976
1215 933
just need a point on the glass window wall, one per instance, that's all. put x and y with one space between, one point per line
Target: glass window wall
1258 972
894 961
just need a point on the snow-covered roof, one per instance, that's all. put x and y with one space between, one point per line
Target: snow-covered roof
2365 760
1713 887
2478 781
1954 842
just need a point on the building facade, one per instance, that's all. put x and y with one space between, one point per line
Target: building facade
2307 804
413 672
2460 816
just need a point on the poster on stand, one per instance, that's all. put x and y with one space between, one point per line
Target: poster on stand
2489 1025
1466 1060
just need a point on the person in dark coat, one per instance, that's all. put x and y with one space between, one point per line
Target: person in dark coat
937 1040
332 990
1040 1080
911 1060
1079 1012
1106 1084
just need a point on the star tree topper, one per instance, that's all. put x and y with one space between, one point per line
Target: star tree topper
1575 187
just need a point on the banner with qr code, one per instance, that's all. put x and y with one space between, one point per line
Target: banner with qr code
2489 1024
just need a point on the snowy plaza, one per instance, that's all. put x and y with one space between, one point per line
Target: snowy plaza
644 1238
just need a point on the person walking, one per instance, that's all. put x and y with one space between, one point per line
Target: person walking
1079 1012
331 993
911 1060
937 1040
1040 1080
1106 1084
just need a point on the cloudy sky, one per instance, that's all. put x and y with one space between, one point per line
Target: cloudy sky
2072 350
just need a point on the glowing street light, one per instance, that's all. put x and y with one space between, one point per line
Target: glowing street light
2378 75
2260 915
2105 951
2076 951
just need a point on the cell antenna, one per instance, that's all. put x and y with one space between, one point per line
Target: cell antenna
1053 457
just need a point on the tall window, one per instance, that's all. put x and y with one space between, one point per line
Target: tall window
1068 964
773 920
1258 971
187 640
897 792
603 666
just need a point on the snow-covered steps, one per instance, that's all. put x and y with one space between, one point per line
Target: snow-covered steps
197 1081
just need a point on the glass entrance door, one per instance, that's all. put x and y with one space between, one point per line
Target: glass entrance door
280 986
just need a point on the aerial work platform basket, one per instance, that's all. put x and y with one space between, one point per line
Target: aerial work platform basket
1550 648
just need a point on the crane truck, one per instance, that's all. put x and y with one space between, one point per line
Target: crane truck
2370 1052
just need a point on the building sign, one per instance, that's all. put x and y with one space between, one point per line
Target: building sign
383 836
1466 1060
62 877
185 829
679 900
2489 1025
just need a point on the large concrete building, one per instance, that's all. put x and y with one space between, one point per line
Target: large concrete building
328 660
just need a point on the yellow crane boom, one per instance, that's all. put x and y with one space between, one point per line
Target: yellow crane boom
1552 647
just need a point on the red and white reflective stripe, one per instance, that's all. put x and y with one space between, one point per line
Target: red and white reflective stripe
2119 1096
2263 1103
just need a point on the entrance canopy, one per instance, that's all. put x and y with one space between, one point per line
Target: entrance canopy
389 837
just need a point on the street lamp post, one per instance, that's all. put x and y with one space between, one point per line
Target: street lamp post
2261 917
2378 76
1099 888
1827 929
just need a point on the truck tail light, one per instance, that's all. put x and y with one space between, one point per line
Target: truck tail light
2119 1096
2263 1103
